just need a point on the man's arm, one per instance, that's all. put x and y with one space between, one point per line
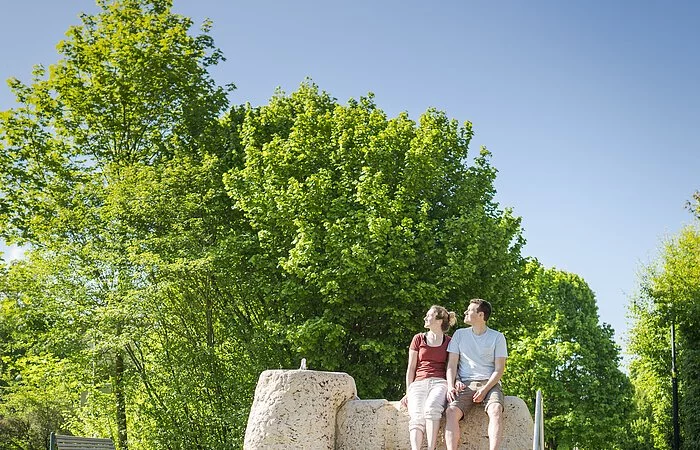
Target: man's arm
452 361
500 367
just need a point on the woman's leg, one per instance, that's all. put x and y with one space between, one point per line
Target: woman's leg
417 393
416 435
434 406
431 431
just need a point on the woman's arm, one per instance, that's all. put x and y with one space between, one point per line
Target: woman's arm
410 373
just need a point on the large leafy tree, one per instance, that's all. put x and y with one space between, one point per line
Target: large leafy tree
132 90
362 222
200 358
563 350
177 253
41 371
670 292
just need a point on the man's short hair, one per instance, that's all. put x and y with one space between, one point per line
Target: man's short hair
482 306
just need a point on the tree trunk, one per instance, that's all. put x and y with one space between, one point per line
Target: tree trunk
120 401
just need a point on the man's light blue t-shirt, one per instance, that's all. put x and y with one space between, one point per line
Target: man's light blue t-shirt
477 353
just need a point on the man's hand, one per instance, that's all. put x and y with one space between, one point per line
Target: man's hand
479 395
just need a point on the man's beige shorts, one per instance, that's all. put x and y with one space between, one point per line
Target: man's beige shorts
464 399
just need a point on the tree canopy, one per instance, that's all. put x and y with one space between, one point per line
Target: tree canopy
362 223
178 247
131 91
562 350
669 292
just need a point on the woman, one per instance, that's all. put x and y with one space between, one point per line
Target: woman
426 384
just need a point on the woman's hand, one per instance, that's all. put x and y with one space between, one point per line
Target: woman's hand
404 401
454 392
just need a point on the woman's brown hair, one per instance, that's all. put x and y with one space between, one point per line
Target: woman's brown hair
449 318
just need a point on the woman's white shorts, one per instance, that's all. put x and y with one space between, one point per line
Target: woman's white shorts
426 400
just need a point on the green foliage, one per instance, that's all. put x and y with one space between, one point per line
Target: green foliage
563 350
207 342
131 92
363 222
131 87
670 291
650 374
177 253
40 385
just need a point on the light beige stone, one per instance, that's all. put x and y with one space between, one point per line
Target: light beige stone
365 424
383 425
518 428
296 409
305 409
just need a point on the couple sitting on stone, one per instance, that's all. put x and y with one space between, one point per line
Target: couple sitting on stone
460 371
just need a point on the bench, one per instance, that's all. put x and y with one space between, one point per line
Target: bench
63 442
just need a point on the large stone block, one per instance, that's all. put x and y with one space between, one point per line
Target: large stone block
296 409
366 424
383 425
306 409
518 428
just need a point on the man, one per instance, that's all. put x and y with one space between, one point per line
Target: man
476 362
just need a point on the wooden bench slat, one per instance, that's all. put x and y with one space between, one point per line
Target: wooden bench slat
65 442
75 444
84 447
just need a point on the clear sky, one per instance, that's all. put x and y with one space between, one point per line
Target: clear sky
590 108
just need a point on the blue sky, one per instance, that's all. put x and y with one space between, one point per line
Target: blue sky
591 109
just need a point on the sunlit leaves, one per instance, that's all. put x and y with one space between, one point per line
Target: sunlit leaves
669 292
84 155
366 220
561 349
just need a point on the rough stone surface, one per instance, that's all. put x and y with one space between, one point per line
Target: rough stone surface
383 425
296 409
306 409
518 428
366 424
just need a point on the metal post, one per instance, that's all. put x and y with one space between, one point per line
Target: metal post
674 387
538 438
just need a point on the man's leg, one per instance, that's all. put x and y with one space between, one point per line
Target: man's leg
495 412
452 417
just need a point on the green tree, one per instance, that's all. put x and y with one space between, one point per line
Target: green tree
40 383
131 90
650 374
563 350
362 222
670 291
206 344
